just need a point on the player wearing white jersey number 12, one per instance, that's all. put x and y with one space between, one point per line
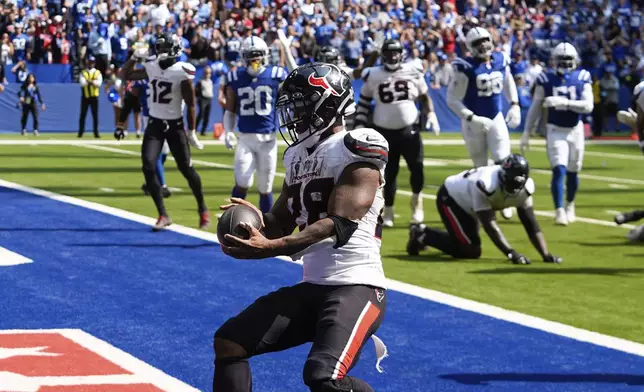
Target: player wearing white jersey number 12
396 87
566 93
333 192
475 95
170 90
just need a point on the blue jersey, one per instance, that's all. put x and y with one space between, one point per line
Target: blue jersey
571 86
485 83
142 86
256 96
20 42
233 50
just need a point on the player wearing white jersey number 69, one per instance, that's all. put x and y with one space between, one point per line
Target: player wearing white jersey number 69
471 197
170 90
396 87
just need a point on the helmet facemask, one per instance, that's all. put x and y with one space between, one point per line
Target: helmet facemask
482 47
255 61
565 64
392 59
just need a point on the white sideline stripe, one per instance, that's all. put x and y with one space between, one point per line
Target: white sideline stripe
8 258
106 190
141 371
560 329
618 186
406 193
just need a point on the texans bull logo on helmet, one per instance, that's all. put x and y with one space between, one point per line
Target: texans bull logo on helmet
321 81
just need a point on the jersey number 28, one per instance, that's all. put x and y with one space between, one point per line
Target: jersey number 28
258 100
315 198
489 84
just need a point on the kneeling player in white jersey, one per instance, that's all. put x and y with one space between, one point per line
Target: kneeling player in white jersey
566 93
251 92
171 88
474 94
396 87
471 197
333 192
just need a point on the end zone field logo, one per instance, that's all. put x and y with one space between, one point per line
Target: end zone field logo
71 360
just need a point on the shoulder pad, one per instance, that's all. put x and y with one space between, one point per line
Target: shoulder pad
584 76
189 70
278 73
368 145
542 79
461 65
505 60
530 187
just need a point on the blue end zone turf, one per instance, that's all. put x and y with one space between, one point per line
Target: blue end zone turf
161 296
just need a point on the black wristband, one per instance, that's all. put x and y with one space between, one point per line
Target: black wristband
514 103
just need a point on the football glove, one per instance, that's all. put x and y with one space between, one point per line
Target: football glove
558 103
141 52
120 134
194 141
550 258
432 123
518 258
513 118
230 140
481 124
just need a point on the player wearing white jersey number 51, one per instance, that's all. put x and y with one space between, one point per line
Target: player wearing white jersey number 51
396 87
567 94
170 90
471 197
333 191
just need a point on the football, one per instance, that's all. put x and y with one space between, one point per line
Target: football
230 220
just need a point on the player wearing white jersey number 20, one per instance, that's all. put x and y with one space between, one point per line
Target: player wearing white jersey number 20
170 90
396 87
566 93
333 192
471 197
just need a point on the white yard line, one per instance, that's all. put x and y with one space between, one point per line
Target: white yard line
548 214
560 329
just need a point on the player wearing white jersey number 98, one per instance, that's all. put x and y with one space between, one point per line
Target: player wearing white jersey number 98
396 87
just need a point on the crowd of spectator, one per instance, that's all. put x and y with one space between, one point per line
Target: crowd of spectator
607 33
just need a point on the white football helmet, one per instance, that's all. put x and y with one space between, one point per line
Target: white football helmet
254 55
479 42
565 58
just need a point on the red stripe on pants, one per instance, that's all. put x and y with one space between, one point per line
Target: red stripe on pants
361 331
462 238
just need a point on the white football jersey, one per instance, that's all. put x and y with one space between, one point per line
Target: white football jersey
480 189
395 94
348 70
310 178
164 89
638 94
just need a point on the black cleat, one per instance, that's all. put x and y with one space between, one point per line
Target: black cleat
166 192
415 243
626 217
162 223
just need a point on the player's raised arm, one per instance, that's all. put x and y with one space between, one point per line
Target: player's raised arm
291 64
128 72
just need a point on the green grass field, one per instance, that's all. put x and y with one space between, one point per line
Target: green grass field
599 286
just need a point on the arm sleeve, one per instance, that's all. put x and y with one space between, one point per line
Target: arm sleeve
585 104
534 113
509 87
230 121
455 94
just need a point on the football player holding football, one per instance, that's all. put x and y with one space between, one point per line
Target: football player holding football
567 93
333 193
471 198
397 87
170 89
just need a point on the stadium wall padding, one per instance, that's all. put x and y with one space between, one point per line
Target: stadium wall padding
63 109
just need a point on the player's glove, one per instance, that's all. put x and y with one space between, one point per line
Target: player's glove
120 134
525 142
378 40
432 123
550 258
230 140
141 52
558 103
513 118
481 124
518 258
194 141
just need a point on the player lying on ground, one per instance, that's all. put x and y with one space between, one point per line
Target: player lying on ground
332 190
471 197
397 88
475 95
171 88
567 93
